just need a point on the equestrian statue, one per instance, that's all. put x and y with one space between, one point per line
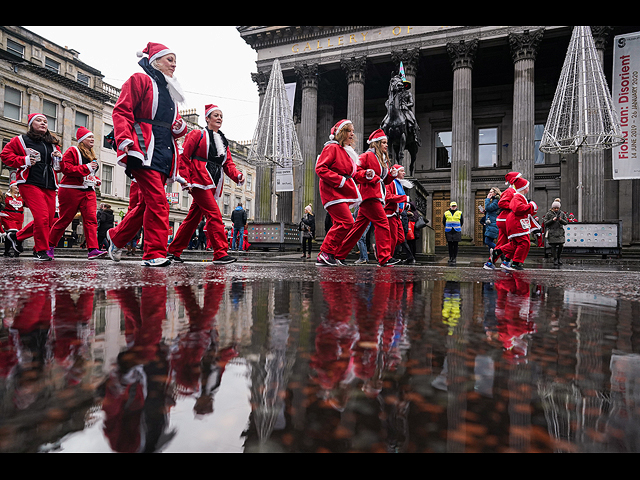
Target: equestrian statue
400 125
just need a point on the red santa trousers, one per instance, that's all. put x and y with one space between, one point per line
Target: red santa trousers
517 249
71 200
42 203
397 232
151 212
342 225
204 203
370 211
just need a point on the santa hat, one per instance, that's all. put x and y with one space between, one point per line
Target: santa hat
376 136
154 51
339 126
83 133
398 167
33 116
209 109
511 177
520 184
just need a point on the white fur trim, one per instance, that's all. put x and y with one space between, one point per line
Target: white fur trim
377 139
160 54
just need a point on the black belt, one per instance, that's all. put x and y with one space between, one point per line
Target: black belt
136 127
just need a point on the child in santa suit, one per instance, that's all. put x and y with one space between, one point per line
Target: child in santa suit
12 217
146 125
77 192
518 228
34 155
372 176
204 162
396 201
336 167
501 220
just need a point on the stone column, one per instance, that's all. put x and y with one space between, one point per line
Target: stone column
308 76
593 179
69 123
264 190
524 48
462 56
355 69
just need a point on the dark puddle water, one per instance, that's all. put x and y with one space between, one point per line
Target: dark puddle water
198 358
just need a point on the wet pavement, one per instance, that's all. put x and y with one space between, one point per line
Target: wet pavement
283 356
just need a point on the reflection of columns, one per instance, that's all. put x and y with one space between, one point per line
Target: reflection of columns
524 48
355 69
264 189
462 56
308 75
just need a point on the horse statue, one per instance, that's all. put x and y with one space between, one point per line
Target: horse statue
400 123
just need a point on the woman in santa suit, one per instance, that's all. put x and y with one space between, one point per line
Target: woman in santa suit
146 125
34 155
204 162
12 217
501 220
79 165
372 176
336 166
396 201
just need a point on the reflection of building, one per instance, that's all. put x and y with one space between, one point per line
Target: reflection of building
482 96
37 75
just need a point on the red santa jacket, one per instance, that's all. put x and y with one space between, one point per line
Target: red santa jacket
503 203
375 187
194 171
14 155
12 217
518 221
139 100
393 200
335 168
75 173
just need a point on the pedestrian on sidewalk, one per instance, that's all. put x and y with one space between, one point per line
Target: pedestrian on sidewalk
554 222
239 220
308 229
204 162
34 155
453 222
374 172
491 209
336 167
77 193
106 221
146 127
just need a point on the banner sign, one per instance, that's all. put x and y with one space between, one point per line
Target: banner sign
626 65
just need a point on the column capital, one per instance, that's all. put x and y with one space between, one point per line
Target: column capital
524 46
355 68
463 53
262 80
409 58
308 74
601 36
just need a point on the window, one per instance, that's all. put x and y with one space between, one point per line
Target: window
83 79
127 187
185 199
539 156
52 65
82 120
15 48
247 204
107 179
488 147
12 103
443 149
226 198
106 130
249 184
50 111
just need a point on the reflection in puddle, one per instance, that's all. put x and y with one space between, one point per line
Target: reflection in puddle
248 359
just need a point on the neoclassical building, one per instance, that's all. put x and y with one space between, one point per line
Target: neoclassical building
482 96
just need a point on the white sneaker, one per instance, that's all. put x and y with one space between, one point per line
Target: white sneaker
361 261
114 252
156 262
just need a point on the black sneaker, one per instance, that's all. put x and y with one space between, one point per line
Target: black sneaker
42 256
15 243
225 260
517 266
174 258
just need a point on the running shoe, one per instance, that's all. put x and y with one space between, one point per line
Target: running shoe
489 266
95 253
42 256
227 259
51 252
114 252
156 262
507 265
15 243
175 258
